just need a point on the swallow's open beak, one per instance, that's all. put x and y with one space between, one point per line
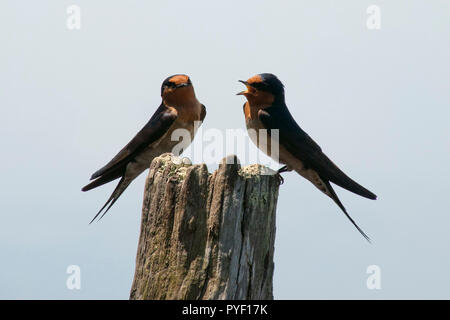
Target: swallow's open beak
243 93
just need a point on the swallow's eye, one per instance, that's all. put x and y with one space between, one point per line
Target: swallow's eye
259 86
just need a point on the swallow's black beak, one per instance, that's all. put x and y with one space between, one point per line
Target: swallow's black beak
243 92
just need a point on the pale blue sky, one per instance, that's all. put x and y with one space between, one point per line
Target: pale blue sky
376 101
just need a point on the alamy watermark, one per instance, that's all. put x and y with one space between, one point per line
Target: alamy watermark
73 21
217 143
73 281
374 280
373 21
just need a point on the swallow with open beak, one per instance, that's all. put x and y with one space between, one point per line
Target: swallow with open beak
179 109
266 109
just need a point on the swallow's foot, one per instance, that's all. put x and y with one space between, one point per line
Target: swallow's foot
280 178
283 169
278 174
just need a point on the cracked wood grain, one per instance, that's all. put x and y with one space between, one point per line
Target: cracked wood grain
206 236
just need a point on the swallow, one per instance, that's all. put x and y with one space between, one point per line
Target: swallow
179 109
265 108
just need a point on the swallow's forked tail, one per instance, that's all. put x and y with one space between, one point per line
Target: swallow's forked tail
107 177
120 188
334 196
344 181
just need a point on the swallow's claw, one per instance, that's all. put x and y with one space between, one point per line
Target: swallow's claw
280 178
283 169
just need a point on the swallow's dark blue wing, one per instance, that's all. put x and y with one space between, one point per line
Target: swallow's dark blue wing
303 147
155 128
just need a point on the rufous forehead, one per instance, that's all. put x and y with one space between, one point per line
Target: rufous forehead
255 79
179 79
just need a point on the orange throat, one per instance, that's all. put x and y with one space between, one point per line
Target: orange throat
185 102
256 102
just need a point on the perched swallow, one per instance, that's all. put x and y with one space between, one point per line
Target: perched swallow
179 109
266 109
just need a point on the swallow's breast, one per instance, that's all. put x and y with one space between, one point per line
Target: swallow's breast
177 138
281 154
181 132
261 138
257 132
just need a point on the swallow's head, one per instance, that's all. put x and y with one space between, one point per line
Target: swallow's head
263 89
177 90
174 83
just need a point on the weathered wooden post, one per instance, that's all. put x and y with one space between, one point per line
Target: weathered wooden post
206 236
